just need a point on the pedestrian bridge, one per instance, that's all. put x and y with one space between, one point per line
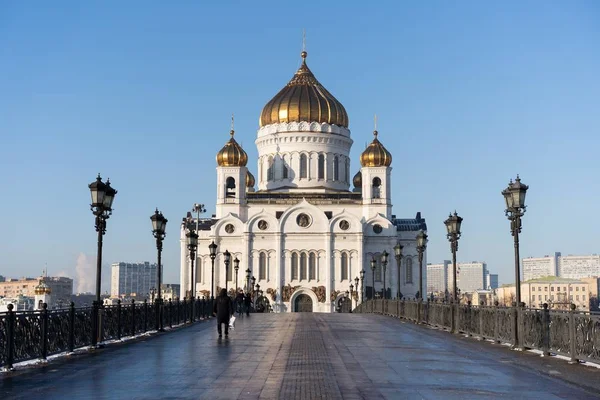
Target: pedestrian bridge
305 356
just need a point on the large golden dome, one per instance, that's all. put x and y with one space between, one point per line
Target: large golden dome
304 99
232 154
375 155
42 288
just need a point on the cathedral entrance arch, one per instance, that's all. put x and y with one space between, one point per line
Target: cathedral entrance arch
303 303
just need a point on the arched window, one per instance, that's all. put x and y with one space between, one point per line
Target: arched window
303 166
270 169
378 269
230 187
347 171
302 266
294 266
336 168
312 266
262 266
409 270
344 267
376 188
321 167
284 172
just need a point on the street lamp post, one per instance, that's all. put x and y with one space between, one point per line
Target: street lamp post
351 294
373 266
236 267
356 280
362 285
102 198
248 280
514 196
421 246
213 254
253 281
453 224
159 226
192 238
384 261
227 260
398 254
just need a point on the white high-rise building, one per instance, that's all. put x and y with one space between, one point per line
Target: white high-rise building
539 267
132 279
576 267
303 232
437 277
469 277
491 281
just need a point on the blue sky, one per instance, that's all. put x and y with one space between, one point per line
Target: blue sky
468 94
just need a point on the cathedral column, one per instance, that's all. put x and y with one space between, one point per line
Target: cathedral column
327 268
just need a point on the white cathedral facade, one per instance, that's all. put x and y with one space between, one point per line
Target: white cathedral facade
299 228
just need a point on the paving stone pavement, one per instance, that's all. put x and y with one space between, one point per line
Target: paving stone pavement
302 356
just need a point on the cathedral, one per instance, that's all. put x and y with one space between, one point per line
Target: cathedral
299 228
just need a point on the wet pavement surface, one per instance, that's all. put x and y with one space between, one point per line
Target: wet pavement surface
305 356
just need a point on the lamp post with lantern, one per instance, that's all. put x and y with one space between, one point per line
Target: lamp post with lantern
236 268
453 224
362 285
421 246
227 261
398 254
248 272
384 261
213 254
192 243
102 198
159 226
514 196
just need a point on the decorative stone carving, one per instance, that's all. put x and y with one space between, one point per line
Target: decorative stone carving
303 220
334 295
321 293
287 291
272 293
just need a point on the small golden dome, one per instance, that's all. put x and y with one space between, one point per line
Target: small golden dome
232 154
42 288
304 99
375 155
357 180
250 181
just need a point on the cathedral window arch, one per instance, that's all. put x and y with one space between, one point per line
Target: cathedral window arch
262 266
230 187
347 170
409 270
270 169
344 267
303 166
376 187
284 170
312 266
303 266
321 167
294 274
336 168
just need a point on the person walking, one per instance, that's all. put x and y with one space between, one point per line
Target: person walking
224 310
239 302
247 302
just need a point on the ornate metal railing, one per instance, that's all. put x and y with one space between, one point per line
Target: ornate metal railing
575 334
38 334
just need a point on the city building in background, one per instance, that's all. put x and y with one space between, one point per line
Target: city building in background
559 293
491 281
133 279
170 291
469 278
576 267
437 277
61 288
539 267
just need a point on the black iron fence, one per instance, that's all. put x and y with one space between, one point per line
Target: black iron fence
38 334
575 334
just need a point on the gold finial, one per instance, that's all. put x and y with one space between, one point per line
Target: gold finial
304 53
232 124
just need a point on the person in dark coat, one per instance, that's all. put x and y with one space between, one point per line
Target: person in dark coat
224 310
247 301
239 302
